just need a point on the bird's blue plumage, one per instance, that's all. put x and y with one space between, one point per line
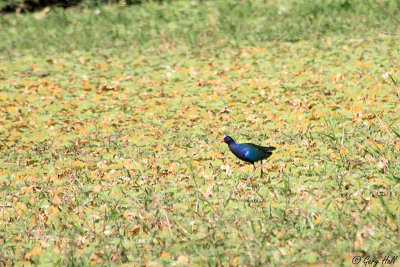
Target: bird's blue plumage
248 152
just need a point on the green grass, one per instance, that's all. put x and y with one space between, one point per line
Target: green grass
193 23
109 144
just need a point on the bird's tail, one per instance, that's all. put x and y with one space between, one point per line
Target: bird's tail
268 148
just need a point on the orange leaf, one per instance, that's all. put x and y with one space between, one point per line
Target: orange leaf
35 251
56 200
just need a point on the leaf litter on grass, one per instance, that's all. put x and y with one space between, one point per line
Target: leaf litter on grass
116 159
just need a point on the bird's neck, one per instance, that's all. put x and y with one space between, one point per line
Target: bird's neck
232 144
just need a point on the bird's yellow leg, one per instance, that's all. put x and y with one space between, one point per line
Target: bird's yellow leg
254 173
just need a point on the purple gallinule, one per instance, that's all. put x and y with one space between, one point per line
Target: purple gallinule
249 152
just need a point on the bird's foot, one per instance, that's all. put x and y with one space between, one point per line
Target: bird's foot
262 173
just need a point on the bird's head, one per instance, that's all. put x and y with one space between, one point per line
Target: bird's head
227 139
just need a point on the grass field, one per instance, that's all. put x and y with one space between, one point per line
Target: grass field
111 117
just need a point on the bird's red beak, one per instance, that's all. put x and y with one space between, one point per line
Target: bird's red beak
222 141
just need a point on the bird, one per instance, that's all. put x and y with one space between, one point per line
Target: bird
248 152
